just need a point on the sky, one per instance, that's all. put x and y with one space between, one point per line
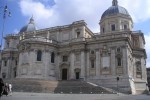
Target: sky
50 13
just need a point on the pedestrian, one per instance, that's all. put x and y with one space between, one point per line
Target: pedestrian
6 89
1 86
10 89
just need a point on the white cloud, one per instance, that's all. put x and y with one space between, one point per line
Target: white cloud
138 9
67 11
147 47
15 31
64 12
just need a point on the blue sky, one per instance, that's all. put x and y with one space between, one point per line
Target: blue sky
50 13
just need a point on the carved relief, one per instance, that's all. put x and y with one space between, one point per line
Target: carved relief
119 68
105 60
92 72
77 57
138 69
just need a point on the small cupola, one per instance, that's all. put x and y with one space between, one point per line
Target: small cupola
115 18
29 27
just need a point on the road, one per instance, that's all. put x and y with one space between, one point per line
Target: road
46 96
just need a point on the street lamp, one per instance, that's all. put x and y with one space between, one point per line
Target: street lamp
117 78
6 13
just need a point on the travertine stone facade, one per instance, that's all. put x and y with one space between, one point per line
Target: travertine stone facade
74 52
148 77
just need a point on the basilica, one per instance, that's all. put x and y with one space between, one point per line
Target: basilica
115 55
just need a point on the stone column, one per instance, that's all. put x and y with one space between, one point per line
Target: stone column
113 61
72 76
82 64
97 63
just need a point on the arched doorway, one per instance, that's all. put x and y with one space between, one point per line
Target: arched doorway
64 73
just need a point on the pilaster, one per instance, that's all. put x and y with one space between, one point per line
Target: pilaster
97 63
82 64
113 61
72 76
88 63
124 61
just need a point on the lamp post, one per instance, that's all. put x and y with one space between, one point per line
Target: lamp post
117 78
5 13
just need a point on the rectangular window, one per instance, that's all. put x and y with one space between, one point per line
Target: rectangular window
5 63
16 62
103 30
65 58
119 61
39 55
52 57
78 34
113 28
92 64
125 27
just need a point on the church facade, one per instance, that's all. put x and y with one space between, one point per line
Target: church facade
114 56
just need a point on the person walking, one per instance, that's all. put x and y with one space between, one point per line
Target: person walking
1 86
10 89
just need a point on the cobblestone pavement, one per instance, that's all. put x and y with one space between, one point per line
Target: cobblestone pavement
46 96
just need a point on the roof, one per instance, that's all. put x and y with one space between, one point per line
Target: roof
29 27
114 10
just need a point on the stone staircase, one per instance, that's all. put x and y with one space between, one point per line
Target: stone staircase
47 86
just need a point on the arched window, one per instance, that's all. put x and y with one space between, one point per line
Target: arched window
39 55
52 57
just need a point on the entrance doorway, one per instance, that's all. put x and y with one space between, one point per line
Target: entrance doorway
64 74
77 75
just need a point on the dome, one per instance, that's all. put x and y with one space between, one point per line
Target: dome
30 27
115 9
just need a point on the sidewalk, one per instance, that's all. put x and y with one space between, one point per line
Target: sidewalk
47 96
